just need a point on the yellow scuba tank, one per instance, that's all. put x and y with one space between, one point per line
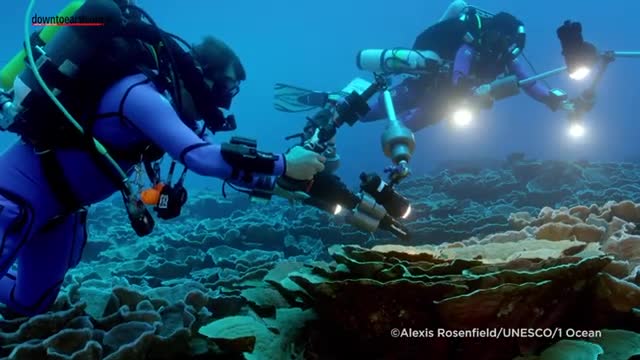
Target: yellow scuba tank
17 63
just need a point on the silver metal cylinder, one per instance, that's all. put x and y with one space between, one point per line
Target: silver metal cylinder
406 61
362 221
505 87
398 143
369 206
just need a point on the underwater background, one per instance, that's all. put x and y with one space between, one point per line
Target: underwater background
516 225
314 45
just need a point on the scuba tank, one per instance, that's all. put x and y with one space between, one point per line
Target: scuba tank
73 60
66 62
398 61
454 10
10 71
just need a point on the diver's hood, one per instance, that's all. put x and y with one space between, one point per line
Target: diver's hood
209 101
503 38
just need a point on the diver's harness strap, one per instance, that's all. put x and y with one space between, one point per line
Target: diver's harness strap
141 221
53 135
54 174
60 135
172 196
60 185
245 160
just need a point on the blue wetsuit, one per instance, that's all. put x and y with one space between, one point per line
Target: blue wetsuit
419 103
44 243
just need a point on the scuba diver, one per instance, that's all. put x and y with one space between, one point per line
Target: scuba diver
465 53
448 67
125 94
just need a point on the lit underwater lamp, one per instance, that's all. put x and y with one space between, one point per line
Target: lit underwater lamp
326 205
462 117
580 73
407 212
483 97
579 56
373 208
576 129
394 203
582 57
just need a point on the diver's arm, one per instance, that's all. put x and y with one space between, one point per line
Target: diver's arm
153 115
462 64
536 89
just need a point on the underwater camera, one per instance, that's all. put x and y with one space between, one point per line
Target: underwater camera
363 210
379 207
384 194
580 56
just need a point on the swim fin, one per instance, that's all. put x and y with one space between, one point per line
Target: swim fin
289 98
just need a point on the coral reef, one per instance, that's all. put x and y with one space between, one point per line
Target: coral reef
548 249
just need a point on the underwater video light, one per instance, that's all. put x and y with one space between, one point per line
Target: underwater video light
579 56
580 73
576 129
407 212
580 61
396 205
462 117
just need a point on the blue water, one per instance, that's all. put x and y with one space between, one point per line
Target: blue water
314 44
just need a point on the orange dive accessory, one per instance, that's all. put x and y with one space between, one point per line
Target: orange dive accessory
166 198
151 196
